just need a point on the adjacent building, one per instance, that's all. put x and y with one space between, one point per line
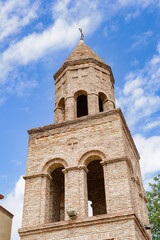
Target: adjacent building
5 223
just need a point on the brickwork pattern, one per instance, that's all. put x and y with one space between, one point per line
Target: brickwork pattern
72 144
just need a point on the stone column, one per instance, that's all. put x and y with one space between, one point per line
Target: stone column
76 191
69 108
106 186
45 199
93 104
83 198
32 201
117 186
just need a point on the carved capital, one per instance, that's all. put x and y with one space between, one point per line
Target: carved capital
75 168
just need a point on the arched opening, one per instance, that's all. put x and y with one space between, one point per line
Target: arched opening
82 106
100 104
57 195
61 110
96 189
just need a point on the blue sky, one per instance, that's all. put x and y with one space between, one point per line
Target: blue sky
36 37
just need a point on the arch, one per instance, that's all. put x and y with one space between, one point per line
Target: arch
80 92
55 187
81 103
56 198
52 164
96 188
95 180
91 155
102 99
61 109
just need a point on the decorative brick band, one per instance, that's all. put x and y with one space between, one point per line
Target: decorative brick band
83 61
37 175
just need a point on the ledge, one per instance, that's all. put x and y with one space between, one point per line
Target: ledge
89 221
83 61
37 175
74 121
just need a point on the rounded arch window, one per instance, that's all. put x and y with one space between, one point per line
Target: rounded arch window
61 108
56 208
102 100
96 189
81 104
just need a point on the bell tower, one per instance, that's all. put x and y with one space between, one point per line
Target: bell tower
83 178
83 85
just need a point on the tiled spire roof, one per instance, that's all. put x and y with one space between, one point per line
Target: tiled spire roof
82 51
81 54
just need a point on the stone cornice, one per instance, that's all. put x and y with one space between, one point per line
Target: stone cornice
75 121
123 158
83 61
37 175
87 118
89 221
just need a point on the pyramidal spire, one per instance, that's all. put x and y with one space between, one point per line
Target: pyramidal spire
82 51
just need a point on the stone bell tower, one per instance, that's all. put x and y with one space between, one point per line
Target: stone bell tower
86 159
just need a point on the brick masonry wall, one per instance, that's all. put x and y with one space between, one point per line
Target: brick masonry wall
84 77
113 230
73 145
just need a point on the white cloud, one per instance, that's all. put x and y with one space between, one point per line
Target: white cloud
142 3
63 33
139 98
152 124
15 14
24 85
14 203
68 16
132 15
141 39
149 149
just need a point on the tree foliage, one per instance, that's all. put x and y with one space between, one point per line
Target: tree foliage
153 205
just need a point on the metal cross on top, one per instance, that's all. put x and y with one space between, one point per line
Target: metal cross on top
82 36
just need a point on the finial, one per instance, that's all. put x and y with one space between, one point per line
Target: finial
82 36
